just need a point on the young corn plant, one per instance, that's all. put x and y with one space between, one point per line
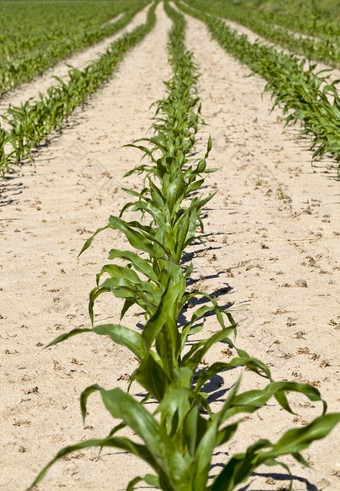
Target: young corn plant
178 441
174 216
4 139
25 58
180 437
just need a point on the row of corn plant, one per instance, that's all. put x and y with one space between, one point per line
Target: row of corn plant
179 437
326 51
306 96
310 18
61 43
27 27
304 17
32 122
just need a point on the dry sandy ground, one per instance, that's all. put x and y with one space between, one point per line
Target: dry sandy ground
273 222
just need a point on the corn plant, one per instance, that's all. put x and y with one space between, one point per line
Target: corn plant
179 438
23 57
325 50
174 217
179 445
307 96
3 141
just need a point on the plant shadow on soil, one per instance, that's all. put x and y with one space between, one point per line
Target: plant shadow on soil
281 477
284 478
201 300
9 191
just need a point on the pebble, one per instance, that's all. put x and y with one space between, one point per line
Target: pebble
301 283
323 484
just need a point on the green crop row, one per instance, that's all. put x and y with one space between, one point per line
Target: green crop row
17 70
327 51
32 122
313 17
317 18
179 438
306 96
33 25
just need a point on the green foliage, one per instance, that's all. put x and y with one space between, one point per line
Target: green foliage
32 122
317 18
179 445
314 17
325 49
305 95
35 35
174 215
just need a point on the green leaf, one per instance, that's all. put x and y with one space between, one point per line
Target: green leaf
151 375
136 239
67 335
298 439
123 336
125 444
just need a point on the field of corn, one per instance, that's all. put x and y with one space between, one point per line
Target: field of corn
170 260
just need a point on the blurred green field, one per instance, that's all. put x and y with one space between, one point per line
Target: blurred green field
34 35
320 19
327 9
27 25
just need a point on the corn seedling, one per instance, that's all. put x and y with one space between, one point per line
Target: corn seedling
280 192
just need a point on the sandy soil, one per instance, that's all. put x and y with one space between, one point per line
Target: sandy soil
273 222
